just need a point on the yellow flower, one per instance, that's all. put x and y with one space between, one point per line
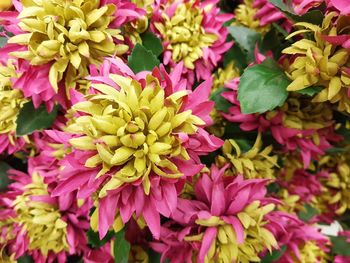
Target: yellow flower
255 163
69 34
320 64
290 202
311 253
223 75
245 15
41 221
5 5
226 249
184 33
11 101
133 128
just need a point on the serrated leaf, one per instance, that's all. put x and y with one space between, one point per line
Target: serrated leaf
221 103
262 87
121 248
31 119
4 180
246 39
274 256
142 59
308 213
151 42
340 245
311 91
94 239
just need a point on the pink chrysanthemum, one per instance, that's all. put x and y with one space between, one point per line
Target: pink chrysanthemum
226 221
192 32
138 137
51 228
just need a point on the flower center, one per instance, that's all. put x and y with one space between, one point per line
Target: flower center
185 34
40 219
134 127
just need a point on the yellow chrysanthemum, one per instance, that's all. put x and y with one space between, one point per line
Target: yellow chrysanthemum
133 127
184 33
69 34
320 64
5 5
245 15
11 101
311 253
255 163
223 75
226 249
289 202
41 221
338 183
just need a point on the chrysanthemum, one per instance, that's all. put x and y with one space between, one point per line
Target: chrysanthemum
11 102
192 32
69 36
137 135
53 227
226 222
254 163
320 63
304 243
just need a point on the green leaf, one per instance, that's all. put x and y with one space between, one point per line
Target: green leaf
274 256
274 41
142 59
313 16
3 41
309 213
236 54
4 180
221 103
31 119
340 246
311 91
121 248
151 42
246 39
25 259
262 87
94 239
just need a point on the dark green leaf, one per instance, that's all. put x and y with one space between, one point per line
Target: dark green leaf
313 16
31 119
309 213
274 256
3 41
94 239
311 91
262 87
154 257
274 41
25 259
151 42
221 103
237 55
246 39
4 180
142 59
340 246
121 248
244 144
273 188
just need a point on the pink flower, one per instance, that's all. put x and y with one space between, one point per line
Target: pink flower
198 42
152 187
342 6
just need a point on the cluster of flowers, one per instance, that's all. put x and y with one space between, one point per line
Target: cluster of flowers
168 155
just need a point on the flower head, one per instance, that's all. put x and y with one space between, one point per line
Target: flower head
137 133
68 36
192 32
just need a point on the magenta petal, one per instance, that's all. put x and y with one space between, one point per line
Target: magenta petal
152 219
237 226
208 239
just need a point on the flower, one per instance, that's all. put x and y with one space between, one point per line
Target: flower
319 63
11 102
136 134
68 37
192 32
52 228
5 5
254 163
226 222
